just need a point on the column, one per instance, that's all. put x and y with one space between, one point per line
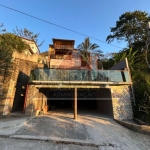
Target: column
75 103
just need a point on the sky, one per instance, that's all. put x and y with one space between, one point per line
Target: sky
89 17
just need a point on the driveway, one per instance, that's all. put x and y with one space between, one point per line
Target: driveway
91 129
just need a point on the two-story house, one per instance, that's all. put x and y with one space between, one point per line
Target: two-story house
72 82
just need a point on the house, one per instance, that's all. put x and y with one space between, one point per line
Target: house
72 82
33 46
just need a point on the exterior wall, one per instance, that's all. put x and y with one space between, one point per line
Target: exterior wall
32 45
35 100
75 62
5 92
1 93
122 102
13 86
116 101
33 58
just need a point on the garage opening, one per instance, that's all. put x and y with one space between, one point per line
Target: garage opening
60 98
89 100
104 101
86 99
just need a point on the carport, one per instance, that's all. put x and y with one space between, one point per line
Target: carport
76 98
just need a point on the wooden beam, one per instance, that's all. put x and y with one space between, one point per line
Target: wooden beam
88 83
68 86
75 103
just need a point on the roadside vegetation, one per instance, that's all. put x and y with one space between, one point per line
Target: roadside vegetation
131 28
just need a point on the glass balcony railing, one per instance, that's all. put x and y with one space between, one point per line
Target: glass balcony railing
79 75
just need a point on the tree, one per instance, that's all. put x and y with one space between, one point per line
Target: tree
25 33
2 30
86 47
8 44
131 27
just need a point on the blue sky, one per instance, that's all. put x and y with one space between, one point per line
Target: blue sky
90 17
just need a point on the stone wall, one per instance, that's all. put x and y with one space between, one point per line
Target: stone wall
122 102
13 86
36 100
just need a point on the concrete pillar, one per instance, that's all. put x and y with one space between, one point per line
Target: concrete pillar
75 103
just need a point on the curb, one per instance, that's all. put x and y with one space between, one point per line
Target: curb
134 127
18 124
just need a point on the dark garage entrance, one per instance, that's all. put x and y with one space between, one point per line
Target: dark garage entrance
88 100
60 98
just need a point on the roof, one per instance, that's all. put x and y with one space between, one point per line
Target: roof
66 41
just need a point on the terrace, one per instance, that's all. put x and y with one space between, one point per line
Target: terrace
69 76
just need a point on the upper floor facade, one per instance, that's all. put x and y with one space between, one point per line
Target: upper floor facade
69 64
62 54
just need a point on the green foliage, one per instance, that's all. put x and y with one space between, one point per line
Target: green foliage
25 33
131 27
108 63
12 42
86 47
133 58
8 44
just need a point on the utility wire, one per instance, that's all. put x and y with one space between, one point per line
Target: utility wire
58 25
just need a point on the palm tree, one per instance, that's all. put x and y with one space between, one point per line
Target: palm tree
86 47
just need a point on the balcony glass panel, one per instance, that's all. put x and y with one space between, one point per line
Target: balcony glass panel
84 75
79 75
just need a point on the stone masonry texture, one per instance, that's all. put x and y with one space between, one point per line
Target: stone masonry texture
13 86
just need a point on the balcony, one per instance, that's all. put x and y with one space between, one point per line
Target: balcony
78 76
66 57
64 47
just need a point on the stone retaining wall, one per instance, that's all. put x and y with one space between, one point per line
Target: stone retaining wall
122 102
13 86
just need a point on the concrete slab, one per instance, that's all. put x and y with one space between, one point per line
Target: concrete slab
90 128
6 123
55 127
20 144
